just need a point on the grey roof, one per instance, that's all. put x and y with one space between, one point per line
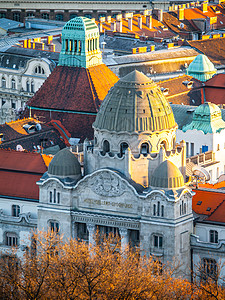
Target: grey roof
135 104
8 24
167 175
64 164
33 53
157 55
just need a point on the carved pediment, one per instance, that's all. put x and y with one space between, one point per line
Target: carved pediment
107 184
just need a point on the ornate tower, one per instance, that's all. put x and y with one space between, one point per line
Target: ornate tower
80 44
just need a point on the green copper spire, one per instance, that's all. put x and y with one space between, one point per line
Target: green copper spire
201 68
80 44
207 117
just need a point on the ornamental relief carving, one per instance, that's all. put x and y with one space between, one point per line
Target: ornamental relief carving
107 184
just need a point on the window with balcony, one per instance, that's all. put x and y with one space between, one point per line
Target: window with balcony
209 269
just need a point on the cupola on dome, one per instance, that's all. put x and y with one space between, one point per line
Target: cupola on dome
167 176
64 164
80 44
201 68
135 104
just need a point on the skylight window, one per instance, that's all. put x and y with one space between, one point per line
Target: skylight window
199 203
208 209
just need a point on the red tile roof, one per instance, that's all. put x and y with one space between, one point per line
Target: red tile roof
203 200
218 215
213 48
19 172
214 89
76 90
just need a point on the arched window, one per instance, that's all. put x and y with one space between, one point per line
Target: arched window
59 17
40 70
163 144
45 16
32 87
3 82
106 146
123 148
13 84
209 269
28 86
54 226
162 211
145 149
54 197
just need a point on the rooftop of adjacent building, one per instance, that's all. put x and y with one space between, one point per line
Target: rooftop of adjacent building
32 135
19 173
207 118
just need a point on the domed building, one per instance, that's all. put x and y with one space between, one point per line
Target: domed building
133 179
201 68
208 129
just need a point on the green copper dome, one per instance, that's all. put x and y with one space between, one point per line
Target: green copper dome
135 104
206 117
167 176
80 44
64 164
201 68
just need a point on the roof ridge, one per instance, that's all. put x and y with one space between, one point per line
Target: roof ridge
93 91
19 120
216 208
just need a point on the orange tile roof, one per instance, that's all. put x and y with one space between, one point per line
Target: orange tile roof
47 159
158 29
203 200
217 185
18 125
218 215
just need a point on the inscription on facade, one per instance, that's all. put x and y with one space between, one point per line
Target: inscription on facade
108 203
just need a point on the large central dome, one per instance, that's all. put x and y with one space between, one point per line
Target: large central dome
135 104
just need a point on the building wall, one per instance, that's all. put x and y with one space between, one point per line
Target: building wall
27 81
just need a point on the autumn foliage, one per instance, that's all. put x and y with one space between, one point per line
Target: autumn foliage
53 269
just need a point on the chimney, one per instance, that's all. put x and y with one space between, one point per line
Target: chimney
140 22
181 14
204 7
50 39
24 43
119 26
147 12
149 22
100 27
102 19
152 48
130 23
119 17
51 47
113 26
108 19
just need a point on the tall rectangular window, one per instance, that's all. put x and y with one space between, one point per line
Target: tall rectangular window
187 149
192 149
213 236
157 241
15 210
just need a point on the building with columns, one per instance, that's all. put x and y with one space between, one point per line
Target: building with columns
132 182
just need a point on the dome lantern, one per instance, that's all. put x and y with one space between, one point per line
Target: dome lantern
80 44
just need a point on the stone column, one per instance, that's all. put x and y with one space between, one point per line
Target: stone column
124 238
91 237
